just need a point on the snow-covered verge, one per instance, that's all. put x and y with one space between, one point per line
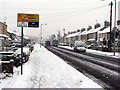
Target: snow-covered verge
8 80
46 70
109 54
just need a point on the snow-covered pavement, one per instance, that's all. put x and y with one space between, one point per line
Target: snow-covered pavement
46 70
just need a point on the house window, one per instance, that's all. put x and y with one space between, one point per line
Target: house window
76 38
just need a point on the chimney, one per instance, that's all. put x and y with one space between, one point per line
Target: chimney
83 29
97 25
78 30
106 24
89 27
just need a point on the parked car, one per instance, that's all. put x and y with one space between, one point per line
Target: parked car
92 46
17 56
17 59
105 48
31 47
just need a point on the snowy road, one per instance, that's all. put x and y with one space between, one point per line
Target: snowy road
46 70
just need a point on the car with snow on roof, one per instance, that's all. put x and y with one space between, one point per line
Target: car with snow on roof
79 46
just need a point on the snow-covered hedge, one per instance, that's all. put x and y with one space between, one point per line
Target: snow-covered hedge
25 50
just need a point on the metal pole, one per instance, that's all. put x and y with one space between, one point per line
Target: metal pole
21 50
114 28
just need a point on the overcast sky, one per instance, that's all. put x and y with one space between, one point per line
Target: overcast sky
58 14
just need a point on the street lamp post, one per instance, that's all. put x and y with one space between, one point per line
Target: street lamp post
41 32
57 34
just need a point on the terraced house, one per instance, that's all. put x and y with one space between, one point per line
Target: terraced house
3 35
88 35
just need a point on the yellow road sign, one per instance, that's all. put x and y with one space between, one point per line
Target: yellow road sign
28 17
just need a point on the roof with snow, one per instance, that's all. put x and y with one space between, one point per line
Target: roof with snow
73 35
87 32
95 30
83 33
90 31
106 30
10 31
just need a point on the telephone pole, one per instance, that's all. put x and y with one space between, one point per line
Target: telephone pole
110 24
114 29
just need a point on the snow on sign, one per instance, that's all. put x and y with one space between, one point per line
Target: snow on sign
28 20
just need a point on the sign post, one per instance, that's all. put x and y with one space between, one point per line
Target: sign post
21 50
26 20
